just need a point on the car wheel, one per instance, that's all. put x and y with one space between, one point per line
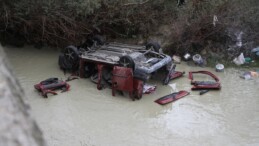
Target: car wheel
72 56
64 63
71 53
153 46
127 61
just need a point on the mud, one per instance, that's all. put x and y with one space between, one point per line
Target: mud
85 116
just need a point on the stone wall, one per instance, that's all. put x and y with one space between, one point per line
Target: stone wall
17 127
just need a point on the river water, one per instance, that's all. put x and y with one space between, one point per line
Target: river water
85 116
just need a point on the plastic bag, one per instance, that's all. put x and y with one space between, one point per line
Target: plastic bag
239 60
147 89
198 59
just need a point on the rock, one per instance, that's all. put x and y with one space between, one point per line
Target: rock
17 127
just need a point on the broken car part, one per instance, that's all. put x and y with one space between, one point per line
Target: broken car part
172 97
200 85
51 84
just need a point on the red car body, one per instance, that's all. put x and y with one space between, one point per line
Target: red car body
51 84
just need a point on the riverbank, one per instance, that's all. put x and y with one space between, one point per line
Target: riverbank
87 116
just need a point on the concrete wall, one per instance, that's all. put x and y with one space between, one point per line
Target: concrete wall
17 127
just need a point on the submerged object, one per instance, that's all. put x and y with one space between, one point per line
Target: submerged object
200 85
51 84
172 97
203 92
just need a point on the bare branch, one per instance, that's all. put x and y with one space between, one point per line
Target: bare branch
140 3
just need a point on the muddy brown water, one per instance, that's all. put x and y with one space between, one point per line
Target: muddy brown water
85 116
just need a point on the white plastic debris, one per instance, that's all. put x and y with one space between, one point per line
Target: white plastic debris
239 39
147 89
219 67
173 86
255 50
239 60
246 76
187 56
176 59
215 19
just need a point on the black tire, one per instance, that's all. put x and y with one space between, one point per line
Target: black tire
71 54
63 63
127 61
154 46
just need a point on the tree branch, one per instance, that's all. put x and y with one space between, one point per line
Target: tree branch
140 3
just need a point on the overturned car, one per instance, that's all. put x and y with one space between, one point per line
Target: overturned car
144 60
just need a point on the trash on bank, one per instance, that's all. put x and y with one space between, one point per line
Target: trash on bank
176 59
187 57
254 73
172 97
51 84
147 89
254 50
248 60
239 60
197 59
249 75
219 68
246 76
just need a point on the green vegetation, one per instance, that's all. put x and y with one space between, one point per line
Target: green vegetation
191 28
